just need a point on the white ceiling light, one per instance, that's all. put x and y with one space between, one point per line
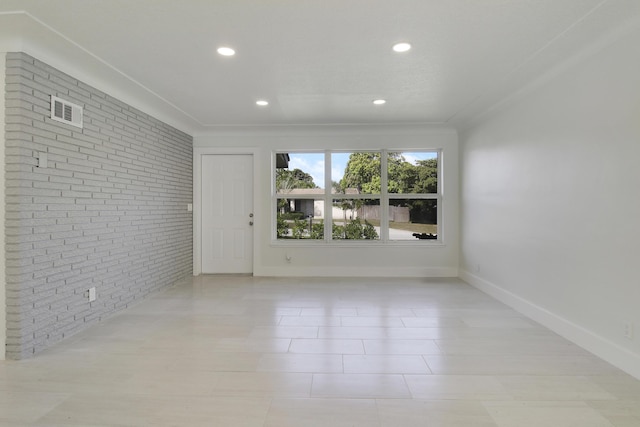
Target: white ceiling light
226 51
262 103
401 47
379 101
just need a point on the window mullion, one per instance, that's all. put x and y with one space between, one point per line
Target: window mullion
328 199
384 198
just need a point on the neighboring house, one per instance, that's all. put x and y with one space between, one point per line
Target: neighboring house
309 207
315 207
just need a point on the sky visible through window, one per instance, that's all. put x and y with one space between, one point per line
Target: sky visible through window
313 163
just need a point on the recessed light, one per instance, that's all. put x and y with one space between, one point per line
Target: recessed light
262 103
226 51
379 101
401 47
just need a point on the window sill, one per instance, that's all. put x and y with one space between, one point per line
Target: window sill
307 243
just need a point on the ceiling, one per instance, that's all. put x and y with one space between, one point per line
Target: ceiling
317 62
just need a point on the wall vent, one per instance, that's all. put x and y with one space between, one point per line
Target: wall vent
66 112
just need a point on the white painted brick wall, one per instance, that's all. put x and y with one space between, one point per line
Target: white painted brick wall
109 212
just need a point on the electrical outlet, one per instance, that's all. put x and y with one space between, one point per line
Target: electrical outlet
43 160
92 294
628 330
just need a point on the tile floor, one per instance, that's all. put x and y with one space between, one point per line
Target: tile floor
243 351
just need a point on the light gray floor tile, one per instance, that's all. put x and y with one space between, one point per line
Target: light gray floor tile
536 414
322 413
254 352
433 413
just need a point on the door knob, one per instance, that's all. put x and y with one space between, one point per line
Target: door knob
250 222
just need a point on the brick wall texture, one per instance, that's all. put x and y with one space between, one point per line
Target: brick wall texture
109 211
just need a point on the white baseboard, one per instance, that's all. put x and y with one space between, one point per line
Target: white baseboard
612 353
294 271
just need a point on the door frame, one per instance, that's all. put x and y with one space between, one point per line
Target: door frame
198 152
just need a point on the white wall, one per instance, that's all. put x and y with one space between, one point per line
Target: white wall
364 259
3 316
550 202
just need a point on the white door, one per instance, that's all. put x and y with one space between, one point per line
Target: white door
227 213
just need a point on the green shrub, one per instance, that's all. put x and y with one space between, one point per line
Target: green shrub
317 230
337 231
369 231
355 230
293 215
299 229
282 229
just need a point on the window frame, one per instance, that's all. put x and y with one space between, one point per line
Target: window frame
384 197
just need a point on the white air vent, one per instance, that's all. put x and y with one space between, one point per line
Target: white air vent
66 112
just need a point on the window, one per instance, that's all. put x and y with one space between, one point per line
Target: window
299 188
373 195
